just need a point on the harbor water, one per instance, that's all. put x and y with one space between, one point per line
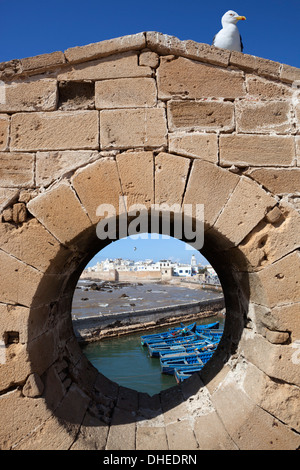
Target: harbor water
125 361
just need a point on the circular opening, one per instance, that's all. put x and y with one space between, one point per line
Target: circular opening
141 285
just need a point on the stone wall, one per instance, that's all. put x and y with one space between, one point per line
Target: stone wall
157 120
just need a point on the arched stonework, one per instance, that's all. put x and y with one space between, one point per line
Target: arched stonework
157 120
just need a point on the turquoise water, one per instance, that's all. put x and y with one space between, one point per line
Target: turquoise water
127 363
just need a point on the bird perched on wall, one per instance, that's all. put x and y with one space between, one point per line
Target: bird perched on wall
229 36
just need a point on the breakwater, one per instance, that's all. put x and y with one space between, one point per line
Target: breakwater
93 328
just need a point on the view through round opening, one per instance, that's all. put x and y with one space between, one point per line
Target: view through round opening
132 284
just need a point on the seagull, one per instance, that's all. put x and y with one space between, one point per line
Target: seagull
229 36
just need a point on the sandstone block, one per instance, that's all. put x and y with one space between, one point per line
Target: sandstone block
35 95
170 178
33 387
7 196
34 245
285 318
16 273
131 128
122 431
262 88
14 318
137 179
152 437
264 67
4 131
17 170
60 211
278 181
61 163
247 205
211 433
200 115
275 360
289 74
98 184
249 426
180 436
259 150
42 62
203 146
181 77
149 58
165 44
279 399
55 131
211 186
125 93
105 48
263 117
268 242
116 66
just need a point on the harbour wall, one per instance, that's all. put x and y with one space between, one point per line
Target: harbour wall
93 328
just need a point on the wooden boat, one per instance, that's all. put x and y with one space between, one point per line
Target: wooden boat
170 364
183 374
170 334
200 345
181 331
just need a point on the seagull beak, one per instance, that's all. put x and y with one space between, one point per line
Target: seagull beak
240 17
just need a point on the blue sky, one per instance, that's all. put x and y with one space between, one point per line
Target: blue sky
35 27
148 247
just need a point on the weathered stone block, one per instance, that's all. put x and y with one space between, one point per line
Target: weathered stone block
125 93
35 95
266 89
256 150
16 273
211 433
248 205
280 280
275 360
268 243
249 426
131 128
98 184
116 66
279 399
180 436
149 58
289 74
61 163
55 131
60 211
17 170
211 186
152 437
105 48
34 245
203 146
4 131
136 171
278 181
170 178
263 117
202 115
7 197
166 44
42 62
180 77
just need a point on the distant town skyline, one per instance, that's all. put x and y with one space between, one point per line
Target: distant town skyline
137 248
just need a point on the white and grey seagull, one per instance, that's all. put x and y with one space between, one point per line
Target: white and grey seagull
229 36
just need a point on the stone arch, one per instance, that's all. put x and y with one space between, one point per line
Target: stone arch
51 396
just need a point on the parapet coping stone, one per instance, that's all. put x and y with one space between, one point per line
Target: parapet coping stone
157 42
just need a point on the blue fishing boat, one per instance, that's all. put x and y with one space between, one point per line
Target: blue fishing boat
157 350
183 374
170 364
181 331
